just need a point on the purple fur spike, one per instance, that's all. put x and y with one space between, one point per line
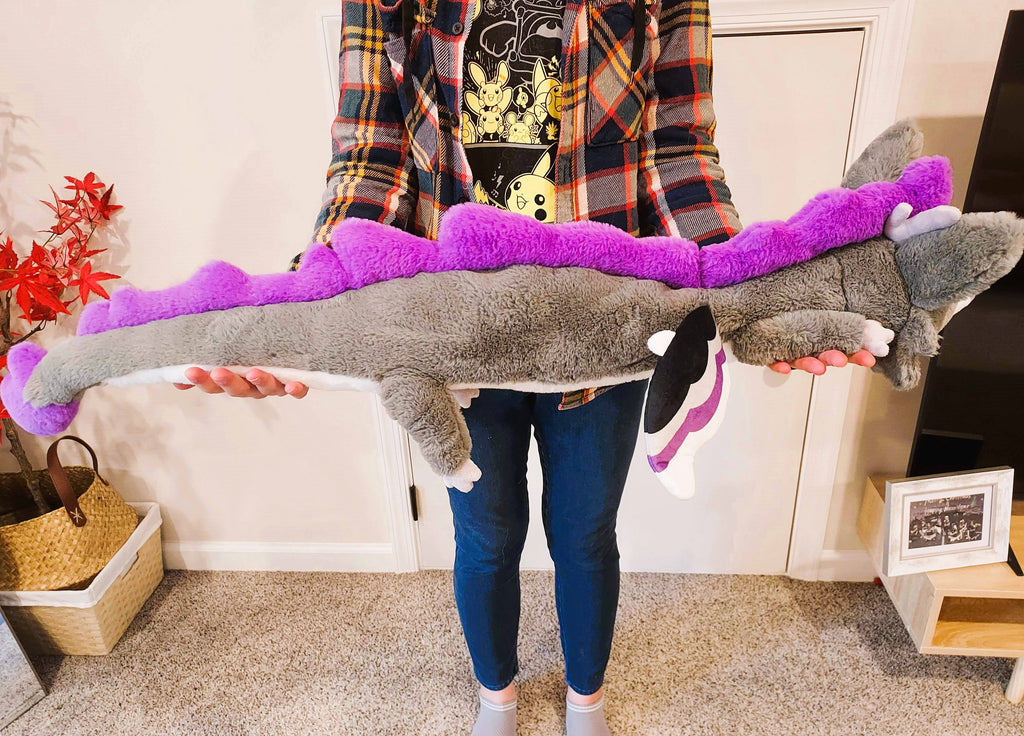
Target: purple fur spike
320 273
46 420
372 252
833 218
96 316
929 181
219 285
477 237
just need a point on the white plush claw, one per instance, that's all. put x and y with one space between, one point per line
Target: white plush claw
900 226
877 338
897 219
658 342
464 477
464 396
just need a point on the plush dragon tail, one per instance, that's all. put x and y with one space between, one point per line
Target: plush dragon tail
46 420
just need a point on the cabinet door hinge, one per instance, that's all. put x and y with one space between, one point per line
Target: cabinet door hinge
414 503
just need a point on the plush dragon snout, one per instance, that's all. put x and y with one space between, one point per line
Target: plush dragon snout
944 267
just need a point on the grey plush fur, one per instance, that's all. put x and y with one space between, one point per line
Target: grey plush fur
885 158
938 266
417 337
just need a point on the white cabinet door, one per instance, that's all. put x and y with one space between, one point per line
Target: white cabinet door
784 104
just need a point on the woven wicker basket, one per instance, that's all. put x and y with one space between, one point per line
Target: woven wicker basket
91 621
68 546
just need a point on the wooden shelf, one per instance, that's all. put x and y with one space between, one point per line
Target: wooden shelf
974 611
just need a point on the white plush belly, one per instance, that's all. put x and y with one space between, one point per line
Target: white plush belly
313 379
330 382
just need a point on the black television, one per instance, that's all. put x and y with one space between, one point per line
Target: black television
972 412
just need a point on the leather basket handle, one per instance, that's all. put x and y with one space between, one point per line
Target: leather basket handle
61 482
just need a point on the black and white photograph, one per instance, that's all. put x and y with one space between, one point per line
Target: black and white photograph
946 521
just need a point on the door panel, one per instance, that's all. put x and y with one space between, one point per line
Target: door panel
784 104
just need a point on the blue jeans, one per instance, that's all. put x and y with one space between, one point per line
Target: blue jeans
585 454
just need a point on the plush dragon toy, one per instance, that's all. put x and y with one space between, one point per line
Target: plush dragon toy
500 300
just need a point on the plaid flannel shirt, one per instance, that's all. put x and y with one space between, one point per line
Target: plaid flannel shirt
635 149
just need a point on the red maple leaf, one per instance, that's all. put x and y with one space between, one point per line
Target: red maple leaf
38 254
89 185
25 271
61 227
44 297
88 281
60 207
39 313
58 259
67 212
34 287
39 282
90 253
102 207
8 256
52 280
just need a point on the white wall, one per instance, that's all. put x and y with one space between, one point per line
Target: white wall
951 58
212 120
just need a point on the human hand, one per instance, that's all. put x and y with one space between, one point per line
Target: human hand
256 384
818 365
876 343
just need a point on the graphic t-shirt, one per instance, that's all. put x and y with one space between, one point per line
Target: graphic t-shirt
512 103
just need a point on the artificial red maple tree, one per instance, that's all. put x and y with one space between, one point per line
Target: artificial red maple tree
50 278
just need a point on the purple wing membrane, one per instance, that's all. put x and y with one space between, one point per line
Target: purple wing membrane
477 237
697 418
685 401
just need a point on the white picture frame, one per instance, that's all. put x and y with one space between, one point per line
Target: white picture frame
938 522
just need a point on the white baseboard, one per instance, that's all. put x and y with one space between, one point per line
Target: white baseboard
847 565
280 556
836 565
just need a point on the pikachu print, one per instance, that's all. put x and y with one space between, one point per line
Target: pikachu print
512 103
490 102
522 130
533 194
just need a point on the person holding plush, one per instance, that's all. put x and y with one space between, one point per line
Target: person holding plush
597 111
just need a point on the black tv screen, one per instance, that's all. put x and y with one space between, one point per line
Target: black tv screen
972 413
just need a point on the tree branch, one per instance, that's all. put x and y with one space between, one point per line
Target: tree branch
18 450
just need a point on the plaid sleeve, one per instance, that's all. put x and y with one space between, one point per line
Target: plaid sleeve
371 174
682 188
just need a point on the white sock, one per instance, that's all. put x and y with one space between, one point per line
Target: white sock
495 719
586 720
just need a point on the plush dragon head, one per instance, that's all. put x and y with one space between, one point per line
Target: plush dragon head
945 261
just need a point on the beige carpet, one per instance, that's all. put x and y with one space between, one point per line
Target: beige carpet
313 653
